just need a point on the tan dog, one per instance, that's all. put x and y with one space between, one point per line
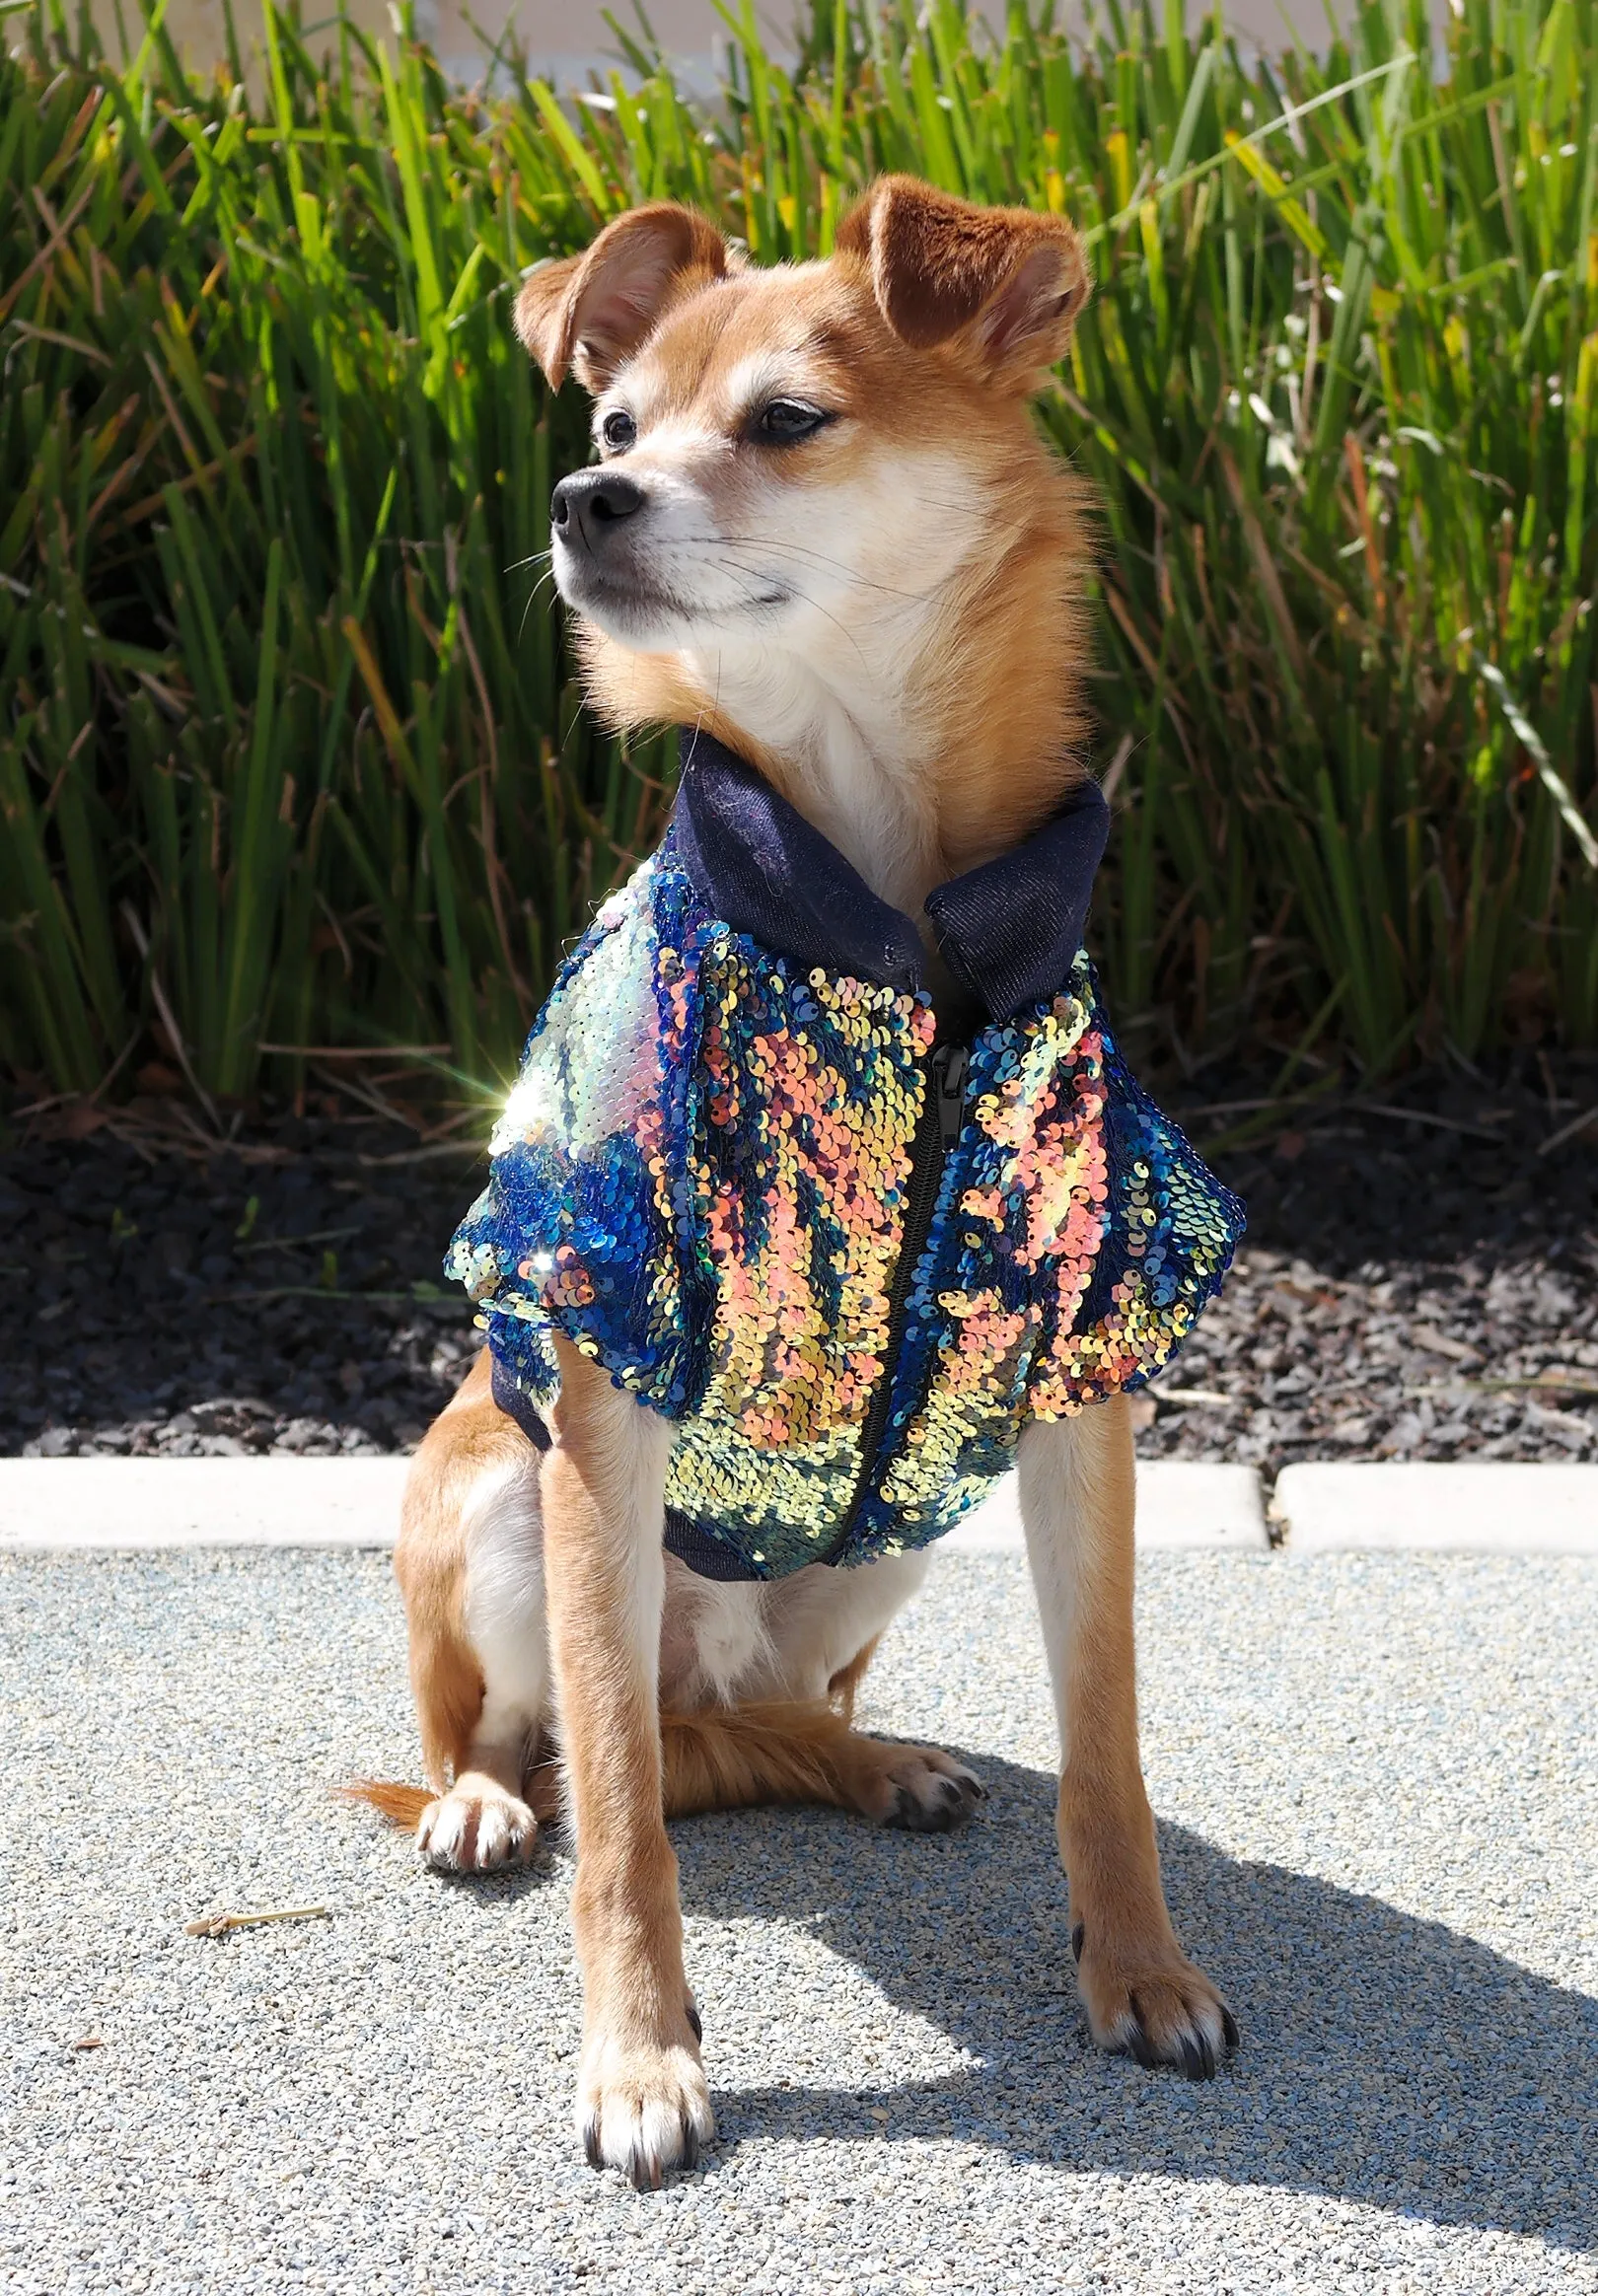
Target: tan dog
824 528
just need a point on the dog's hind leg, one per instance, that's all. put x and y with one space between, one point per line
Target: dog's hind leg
804 1751
471 1564
1141 1993
783 1732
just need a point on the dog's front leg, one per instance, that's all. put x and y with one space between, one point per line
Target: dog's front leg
642 2105
1078 1502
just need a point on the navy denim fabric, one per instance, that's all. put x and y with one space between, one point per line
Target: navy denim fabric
1007 931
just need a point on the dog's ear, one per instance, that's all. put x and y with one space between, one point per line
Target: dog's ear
591 311
999 286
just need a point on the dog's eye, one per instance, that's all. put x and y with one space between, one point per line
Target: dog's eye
783 421
618 430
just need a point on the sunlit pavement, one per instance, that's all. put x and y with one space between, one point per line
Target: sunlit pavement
1378 1793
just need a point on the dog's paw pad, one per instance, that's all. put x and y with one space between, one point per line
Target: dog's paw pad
477 1828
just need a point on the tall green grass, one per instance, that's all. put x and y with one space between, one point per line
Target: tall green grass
292 753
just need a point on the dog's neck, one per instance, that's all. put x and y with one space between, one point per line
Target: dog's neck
842 746
919 749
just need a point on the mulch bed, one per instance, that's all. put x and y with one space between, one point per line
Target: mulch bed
281 1294
1419 1282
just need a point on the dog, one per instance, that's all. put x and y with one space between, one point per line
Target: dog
821 536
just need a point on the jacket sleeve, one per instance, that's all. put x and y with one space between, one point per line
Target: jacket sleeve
1169 1231
586 1225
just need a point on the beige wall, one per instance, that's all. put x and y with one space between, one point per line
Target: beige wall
569 38
199 27
569 29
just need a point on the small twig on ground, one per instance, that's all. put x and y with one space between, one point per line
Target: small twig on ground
1237 1108
320 1291
1437 1342
1568 1131
366 1095
1443 1124
129 1137
1546 1382
449 1125
219 1924
291 1243
472 1148
302 1291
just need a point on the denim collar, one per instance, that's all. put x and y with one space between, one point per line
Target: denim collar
1008 931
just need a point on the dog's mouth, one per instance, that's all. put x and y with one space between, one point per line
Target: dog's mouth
587 586
629 604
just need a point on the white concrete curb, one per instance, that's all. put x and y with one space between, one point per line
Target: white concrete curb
1181 1503
1484 1507
1497 1507
56 1505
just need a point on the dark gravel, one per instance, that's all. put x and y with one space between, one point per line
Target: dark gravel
284 1293
286 1298
1398 1268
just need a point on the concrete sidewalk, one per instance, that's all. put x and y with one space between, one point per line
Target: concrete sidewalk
1378 1789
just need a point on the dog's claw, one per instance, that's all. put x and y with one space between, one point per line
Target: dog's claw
1198 2057
1078 1935
1138 2043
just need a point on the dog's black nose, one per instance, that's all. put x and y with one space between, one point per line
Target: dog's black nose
589 500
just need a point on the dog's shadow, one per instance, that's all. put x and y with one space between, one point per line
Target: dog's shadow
1385 2060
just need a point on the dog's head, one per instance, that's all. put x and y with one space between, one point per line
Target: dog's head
788 451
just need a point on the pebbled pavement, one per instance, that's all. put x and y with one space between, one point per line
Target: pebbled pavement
1378 1791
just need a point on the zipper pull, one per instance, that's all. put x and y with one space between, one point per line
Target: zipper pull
949 1080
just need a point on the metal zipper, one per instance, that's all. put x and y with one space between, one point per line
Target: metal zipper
936 1131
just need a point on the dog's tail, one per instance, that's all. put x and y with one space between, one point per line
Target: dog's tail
727 1758
400 1804
403 1805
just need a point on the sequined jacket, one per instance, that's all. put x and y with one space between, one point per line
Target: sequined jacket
741 1171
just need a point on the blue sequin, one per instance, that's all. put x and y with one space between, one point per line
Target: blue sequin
701 1180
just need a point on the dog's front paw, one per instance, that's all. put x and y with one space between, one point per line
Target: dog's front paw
643 2107
477 1828
1154 2005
